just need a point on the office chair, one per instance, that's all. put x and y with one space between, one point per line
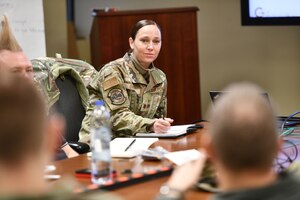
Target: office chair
70 106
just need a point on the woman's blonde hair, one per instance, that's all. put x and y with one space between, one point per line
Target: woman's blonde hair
7 38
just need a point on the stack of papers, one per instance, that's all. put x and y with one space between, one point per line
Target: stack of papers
174 131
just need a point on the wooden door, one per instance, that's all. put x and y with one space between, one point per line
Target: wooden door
178 57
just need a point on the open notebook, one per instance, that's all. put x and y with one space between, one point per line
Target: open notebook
174 131
129 147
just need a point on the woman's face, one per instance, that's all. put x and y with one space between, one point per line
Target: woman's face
146 45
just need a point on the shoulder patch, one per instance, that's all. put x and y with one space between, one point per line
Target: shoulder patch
110 82
116 96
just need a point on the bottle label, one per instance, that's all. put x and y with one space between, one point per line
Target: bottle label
100 143
97 146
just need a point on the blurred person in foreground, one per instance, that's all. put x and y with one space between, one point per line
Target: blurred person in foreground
27 138
242 143
15 60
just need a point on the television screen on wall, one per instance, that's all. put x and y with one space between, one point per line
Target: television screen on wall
270 12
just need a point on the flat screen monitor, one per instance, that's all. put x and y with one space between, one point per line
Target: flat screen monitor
270 12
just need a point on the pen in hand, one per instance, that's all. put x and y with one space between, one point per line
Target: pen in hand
162 125
131 143
169 120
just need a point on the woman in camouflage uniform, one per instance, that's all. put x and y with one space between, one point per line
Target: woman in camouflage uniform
133 89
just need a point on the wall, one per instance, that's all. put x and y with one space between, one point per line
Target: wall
268 55
28 29
55 27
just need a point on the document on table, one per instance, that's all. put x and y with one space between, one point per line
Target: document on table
129 147
174 131
181 157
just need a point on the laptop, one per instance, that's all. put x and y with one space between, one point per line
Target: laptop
215 94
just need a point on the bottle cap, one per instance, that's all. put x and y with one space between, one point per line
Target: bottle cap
99 103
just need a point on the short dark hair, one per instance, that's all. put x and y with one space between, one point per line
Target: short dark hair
140 24
22 118
243 129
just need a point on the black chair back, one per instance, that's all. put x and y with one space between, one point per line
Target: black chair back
70 106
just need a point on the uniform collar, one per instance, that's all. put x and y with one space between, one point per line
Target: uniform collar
138 65
153 73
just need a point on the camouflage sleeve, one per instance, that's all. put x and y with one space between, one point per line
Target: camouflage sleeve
84 133
45 81
162 108
124 121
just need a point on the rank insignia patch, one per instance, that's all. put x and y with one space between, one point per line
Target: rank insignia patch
116 96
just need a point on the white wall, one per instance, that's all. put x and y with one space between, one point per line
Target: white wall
27 28
228 52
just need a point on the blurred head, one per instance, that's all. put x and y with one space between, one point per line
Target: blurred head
22 119
11 55
243 130
16 62
145 41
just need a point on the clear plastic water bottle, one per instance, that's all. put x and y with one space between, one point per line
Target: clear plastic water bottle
100 138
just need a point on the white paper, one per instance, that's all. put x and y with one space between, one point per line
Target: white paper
119 145
27 23
181 157
174 131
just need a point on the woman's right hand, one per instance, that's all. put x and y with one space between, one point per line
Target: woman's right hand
162 125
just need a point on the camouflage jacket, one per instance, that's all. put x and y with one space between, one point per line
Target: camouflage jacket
47 70
133 102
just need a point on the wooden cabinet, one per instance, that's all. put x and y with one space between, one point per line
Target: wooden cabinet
178 57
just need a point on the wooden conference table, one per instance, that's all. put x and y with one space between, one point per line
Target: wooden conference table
143 190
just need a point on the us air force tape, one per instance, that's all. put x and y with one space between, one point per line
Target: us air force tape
116 96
